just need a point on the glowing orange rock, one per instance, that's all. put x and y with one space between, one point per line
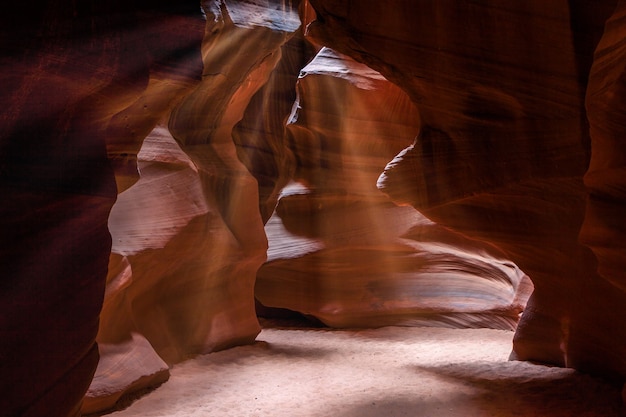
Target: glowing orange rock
340 250
188 237
504 145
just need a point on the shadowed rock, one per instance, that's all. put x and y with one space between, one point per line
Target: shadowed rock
189 231
87 82
503 147
340 250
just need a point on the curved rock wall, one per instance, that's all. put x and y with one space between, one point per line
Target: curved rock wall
604 228
187 236
260 136
504 146
57 189
340 250
151 97
87 82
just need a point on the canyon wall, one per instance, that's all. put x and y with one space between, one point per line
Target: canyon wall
87 83
504 145
57 189
153 140
188 237
604 227
340 250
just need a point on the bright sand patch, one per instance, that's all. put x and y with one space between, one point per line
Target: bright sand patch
391 371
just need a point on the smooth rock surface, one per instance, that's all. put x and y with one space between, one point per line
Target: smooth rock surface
503 146
604 227
340 251
188 236
260 137
124 367
518 112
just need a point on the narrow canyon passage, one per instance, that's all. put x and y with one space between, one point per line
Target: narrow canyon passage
390 371
172 170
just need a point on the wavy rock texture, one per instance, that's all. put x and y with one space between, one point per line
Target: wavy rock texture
501 90
260 136
87 82
604 228
187 237
503 147
605 225
340 250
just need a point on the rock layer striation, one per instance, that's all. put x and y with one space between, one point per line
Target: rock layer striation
340 250
504 145
188 237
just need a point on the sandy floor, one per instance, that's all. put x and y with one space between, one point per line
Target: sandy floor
386 372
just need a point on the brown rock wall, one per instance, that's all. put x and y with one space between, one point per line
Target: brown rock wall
87 80
260 136
502 93
604 227
188 233
57 189
340 250
504 145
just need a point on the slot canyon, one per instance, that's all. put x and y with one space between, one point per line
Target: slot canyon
177 175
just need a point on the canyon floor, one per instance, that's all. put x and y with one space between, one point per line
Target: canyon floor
390 371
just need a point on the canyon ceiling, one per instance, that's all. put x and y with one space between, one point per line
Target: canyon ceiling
169 169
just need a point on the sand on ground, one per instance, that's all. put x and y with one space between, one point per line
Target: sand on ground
387 372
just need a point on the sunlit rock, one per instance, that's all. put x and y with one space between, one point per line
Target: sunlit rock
504 145
260 136
124 367
178 250
347 123
340 251
188 237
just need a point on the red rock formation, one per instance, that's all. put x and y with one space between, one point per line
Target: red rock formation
260 136
188 235
604 228
604 221
340 250
500 88
57 189
91 79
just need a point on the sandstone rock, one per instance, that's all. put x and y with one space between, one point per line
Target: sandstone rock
89 80
368 264
178 253
604 227
74 74
340 251
187 236
57 189
48 350
260 136
503 147
501 89
124 367
347 123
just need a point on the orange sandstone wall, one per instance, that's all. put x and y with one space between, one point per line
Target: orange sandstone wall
87 82
342 251
504 145
188 237
517 108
